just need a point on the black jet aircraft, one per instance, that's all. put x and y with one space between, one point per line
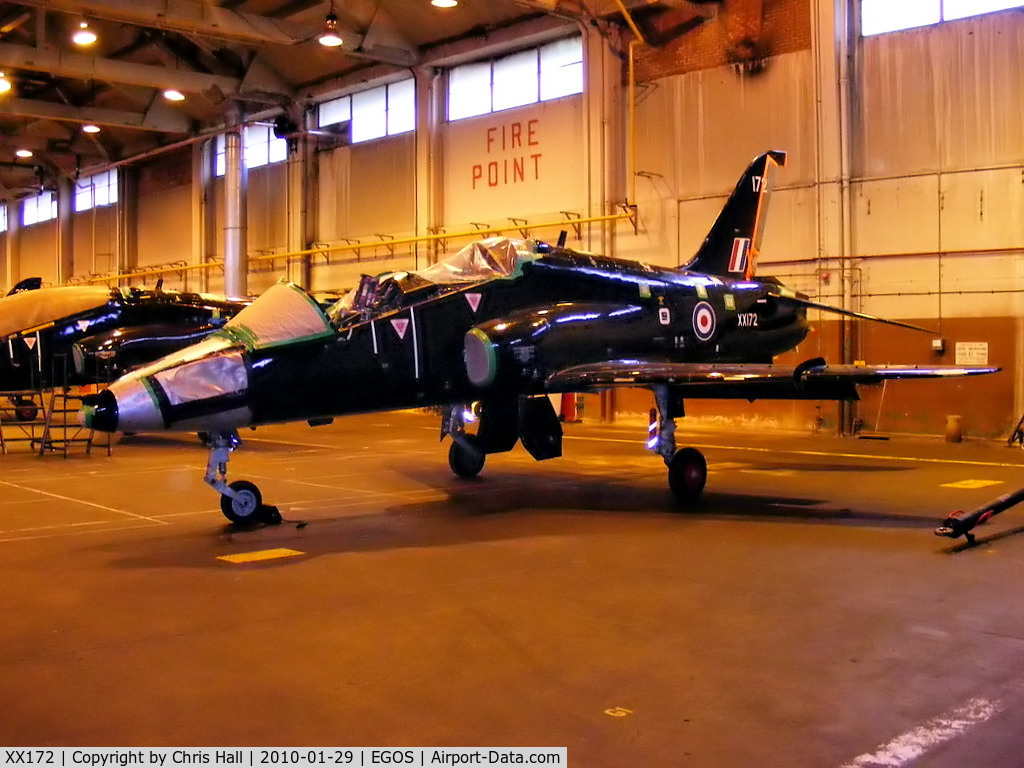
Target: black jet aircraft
82 334
501 324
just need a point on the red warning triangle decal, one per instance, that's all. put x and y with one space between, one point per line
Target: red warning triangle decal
401 325
30 342
474 300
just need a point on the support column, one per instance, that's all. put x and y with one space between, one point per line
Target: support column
296 210
65 230
12 264
127 219
606 160
428 178
202 181
236 257
833 35
605 147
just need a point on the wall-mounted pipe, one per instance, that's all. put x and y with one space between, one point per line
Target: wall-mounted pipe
629 215
631 99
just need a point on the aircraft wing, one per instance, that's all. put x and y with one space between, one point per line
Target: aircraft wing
811 380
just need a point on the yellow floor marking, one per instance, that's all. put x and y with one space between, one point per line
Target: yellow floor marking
263 554
618 712
972 484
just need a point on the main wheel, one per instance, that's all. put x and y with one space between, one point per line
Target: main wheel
687 474
244 506
465 462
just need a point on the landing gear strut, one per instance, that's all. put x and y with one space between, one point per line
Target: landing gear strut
465 457
687 468
240 501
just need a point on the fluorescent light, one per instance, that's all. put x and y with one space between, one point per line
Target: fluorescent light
5 84
23 153
90 128
444 3
330 37
172 95
83 35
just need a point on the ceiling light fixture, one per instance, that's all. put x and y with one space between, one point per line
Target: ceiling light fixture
83 35
444 3
5 84
174 95
330 38
23 153
90 128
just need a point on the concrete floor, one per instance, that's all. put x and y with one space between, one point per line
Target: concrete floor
803 615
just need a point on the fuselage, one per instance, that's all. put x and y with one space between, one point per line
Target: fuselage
412 342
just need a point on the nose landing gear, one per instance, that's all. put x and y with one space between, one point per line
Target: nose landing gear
240 501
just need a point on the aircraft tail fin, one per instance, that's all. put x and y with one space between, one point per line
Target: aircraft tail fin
731 247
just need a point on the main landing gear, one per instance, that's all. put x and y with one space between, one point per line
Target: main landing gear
502 423
687 468
533 421
465 457
240 501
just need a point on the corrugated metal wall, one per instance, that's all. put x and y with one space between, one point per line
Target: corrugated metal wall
936 186
938 163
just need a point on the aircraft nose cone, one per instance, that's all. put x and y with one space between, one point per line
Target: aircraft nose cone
99 411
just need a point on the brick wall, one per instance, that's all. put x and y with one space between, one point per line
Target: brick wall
773 26
166 171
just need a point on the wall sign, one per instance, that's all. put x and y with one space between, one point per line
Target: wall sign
522 162
972 353
512 154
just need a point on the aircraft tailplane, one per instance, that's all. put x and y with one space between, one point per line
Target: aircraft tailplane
731 247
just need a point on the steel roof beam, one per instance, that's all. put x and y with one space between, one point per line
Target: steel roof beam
188 16
157 118
75 65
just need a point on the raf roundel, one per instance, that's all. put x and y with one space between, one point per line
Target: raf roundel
703 321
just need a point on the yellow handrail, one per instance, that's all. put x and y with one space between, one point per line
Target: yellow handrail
629 214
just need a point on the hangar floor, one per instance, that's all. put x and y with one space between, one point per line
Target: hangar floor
804 615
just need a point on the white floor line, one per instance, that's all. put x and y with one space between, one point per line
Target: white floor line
916 742
80 501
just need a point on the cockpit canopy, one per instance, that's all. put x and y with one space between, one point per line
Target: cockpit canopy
491 258
481 260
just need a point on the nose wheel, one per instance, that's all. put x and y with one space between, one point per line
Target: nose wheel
240 501
246 507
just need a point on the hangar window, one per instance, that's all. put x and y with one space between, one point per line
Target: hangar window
97 190
387 110
515 81
335 112
259 147
42 207
561 69
878 16
537 74
3 218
